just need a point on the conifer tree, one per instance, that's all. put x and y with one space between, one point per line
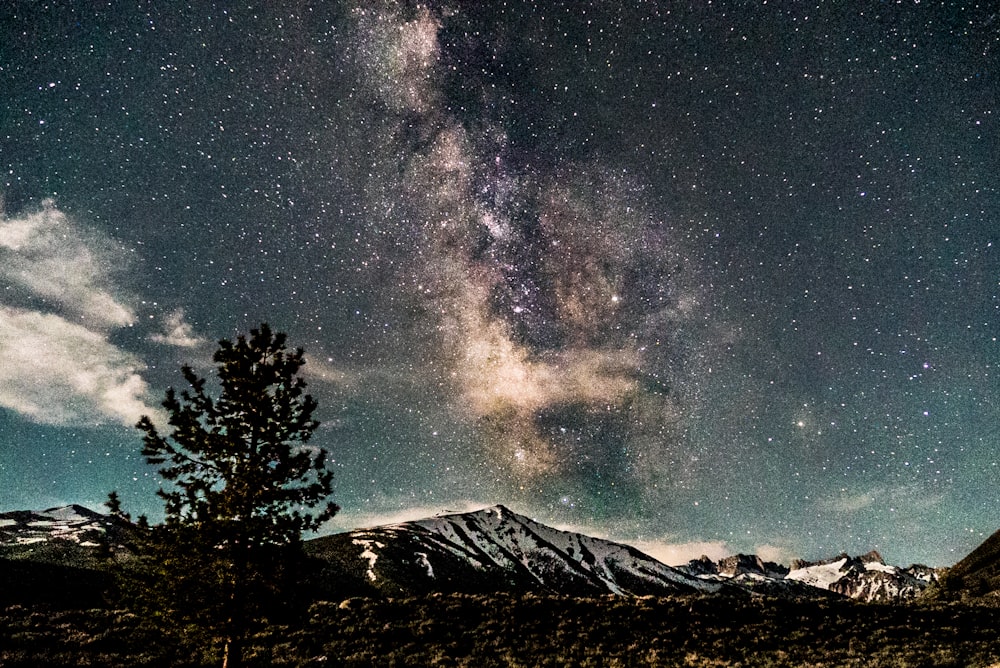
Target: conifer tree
243 487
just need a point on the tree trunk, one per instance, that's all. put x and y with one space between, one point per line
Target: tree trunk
236 624
232 654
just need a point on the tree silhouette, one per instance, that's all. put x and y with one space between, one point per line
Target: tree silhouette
244 485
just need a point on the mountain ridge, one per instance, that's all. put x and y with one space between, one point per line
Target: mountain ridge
489 550
514 551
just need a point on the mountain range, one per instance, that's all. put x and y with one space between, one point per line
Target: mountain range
496 549
489 550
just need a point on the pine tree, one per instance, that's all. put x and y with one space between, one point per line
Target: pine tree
114 504
243 487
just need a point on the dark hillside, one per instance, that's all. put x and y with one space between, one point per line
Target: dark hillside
977 576
38 583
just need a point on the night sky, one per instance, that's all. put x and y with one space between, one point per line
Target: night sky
705 277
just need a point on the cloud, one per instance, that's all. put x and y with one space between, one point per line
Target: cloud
53 266
177 332
850 503
678 554
664 550
775 554
55 371
348 520
908 497
57 362
326 371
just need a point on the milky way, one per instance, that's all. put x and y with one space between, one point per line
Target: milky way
557 300
721 275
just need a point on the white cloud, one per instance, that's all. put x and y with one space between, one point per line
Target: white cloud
52 265
61 306
177 332
775 554
327 371
58 372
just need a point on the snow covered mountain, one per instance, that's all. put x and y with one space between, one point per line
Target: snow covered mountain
750 572
865 578
66 535
495 549
71 523
58 557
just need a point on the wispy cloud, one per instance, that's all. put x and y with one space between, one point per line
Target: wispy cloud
328 371
677 554
881 498
58 364
348 520
51 265
58 372
776 554
177 332
847 502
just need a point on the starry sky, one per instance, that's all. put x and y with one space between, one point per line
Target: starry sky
705 277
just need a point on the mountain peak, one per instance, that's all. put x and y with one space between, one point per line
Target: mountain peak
872 557
494 548
499 509
72 513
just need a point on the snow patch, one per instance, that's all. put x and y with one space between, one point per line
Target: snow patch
881 568
425 562
369 555
66 514
821 576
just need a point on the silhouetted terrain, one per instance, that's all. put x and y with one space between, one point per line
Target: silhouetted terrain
372 602
974 578
531 630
